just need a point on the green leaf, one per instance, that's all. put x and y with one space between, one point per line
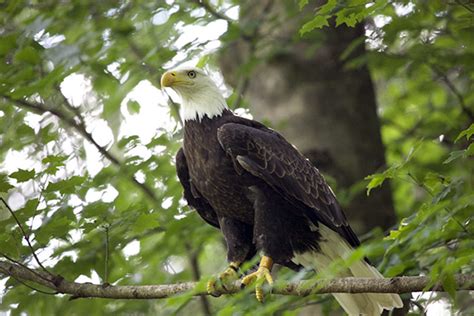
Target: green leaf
7 43
303 3
470 150
317 22
343 17
129 142
161 140
4 184
145 222
28 210
328 8
393 235
454 155
54 162
174 111
67 186
133 107
395 270
432 180
54 159
468 132
449 284
321 18
23 175
442 195
48 133
8 244
4 211
25 131
56 228
28 55
203 61
96 209
375 181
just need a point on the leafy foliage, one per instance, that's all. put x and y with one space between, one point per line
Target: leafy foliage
102 203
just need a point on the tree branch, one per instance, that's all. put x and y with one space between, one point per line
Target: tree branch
464 5
212 11
465 109
25 235
404 284
40 108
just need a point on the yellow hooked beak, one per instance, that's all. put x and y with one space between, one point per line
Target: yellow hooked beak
168 79
173 78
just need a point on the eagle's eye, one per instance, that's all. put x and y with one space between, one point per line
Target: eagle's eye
192 74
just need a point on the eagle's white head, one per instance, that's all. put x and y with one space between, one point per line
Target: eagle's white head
199 94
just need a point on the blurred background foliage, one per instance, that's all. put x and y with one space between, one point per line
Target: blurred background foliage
101 203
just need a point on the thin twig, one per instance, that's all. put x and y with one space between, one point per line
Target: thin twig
241 89
124 240
106 272
211 10
193 260
464 5
445 208
455 91
417 304
27 238
72 108
40 196
141 56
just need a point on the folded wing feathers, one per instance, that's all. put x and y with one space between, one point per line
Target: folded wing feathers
284 168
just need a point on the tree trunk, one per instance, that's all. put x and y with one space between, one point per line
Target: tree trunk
305 90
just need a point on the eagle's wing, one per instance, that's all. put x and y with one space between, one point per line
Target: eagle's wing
192 196
267 155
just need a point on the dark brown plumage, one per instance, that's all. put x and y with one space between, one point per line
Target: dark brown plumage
231 167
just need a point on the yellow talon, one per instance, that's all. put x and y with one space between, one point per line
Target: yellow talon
211 286
260 276
219 282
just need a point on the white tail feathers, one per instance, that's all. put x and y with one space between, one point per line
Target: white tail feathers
334 247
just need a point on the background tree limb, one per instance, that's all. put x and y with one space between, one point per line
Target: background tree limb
404 284
80 128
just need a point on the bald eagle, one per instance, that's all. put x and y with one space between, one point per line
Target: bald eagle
262 193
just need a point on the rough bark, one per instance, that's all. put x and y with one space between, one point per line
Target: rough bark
303 288
306 91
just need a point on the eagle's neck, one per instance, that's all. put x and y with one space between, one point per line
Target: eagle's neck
208 103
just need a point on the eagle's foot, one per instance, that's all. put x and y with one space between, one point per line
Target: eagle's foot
220 281
260 276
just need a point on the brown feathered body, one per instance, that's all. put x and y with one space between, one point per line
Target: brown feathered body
249 182
238 169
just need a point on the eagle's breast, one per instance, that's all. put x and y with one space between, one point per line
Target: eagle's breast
212 172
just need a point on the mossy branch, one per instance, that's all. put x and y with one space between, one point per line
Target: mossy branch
404 284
